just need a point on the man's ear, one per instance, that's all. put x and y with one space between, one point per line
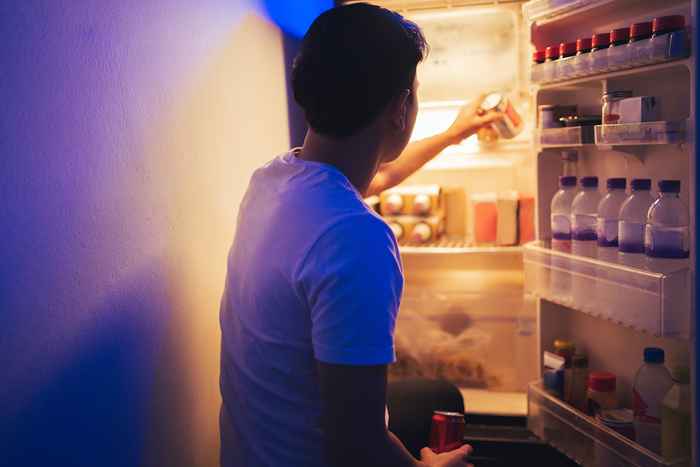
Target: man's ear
399 110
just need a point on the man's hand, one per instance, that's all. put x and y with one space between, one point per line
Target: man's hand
456 458
470 119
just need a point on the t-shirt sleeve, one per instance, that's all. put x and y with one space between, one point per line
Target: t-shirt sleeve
352 281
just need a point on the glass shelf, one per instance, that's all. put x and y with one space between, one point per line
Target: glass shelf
574 136
646 294
645 133
581 438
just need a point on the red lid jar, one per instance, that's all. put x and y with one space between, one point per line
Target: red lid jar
602 381
639 31
666 24
551 53
538 57
619 36
583 45
567 49
600 41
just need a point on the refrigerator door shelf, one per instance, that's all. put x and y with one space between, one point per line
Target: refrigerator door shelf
565 137
641 293
640 134
581 438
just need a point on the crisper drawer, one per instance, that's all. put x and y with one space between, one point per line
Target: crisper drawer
647 295
581 438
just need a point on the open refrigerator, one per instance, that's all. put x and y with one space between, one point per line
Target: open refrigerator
482 314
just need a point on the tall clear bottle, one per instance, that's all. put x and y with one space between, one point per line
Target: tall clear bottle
608 218
560 218
666 233
584 220
633 218
676 425
651 384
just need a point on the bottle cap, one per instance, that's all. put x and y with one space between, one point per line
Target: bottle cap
551 52
641 184
653 355
620 35
667 23
600 40
579 360
538 57
670 186
567 49
567 181
583 44
681 374
602 381
616 183
589 182
640 30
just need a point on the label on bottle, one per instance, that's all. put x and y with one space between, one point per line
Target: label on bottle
631 237
561 227
607 232
665 242
584 227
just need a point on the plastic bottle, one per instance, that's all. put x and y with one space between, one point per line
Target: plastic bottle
559 278
633 216
651 384
584 215
666 231
675 417
609 211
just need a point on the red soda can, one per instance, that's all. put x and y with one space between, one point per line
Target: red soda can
446 432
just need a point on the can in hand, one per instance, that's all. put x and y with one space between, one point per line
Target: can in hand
446 432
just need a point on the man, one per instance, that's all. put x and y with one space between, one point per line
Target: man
315 279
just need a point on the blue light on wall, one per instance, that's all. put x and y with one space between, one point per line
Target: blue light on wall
295 17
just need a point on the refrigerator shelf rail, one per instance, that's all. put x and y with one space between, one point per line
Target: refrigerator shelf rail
575 136
647 295
581 438
645 133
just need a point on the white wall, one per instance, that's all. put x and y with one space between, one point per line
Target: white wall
128 132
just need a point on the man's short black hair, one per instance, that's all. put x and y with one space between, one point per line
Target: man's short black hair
353 60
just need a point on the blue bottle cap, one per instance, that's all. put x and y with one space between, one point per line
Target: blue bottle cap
653 355
641 184
589 182
670 186
617 183
566 181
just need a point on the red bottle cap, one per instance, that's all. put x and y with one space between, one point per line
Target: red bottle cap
551 52
583 44
640 30
567 49
620 35
602 381
668 23
538 57
600 40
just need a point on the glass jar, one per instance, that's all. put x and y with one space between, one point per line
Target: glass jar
601 394
599 52
575 391
669 38
611 107
617 55
638 46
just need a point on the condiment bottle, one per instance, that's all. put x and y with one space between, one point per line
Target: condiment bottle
567 49
565 349
598 60
538 56
583 45
601 392
639 54
536 70
668 37
639 31
619 36
579 382
616 55
600 41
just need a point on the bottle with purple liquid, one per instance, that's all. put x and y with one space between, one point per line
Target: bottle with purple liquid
608 212
666 232
584 214
561 209
633 216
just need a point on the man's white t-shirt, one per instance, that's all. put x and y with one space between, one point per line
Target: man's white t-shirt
313 274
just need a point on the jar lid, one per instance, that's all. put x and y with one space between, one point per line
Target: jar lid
602 381
653 355
492 101
566 181
583 44
538 56
639 184
640 30
563 344
600 40
667 23
567 49
617 183
551 52
589 182
579 360
620 35
670 186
